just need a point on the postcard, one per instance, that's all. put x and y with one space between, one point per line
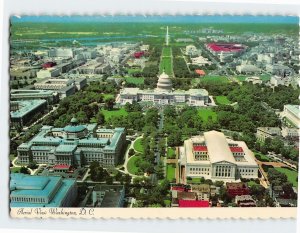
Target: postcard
187 116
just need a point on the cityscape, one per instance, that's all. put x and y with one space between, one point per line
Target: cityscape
154 112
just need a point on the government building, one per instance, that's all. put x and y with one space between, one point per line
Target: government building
41 191
164 95
215 157
74 145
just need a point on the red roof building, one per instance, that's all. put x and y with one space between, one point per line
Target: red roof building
139 54
193 204
236 149
225 47
237 189
200 72
200 148
49 64
62 167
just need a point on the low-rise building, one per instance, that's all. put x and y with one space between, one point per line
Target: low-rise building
215 157
108 196
291 115
75 145
22 112
41 191
245 201
48 73
267 132
200 61
237 189
247 69
48 95
253 80
280 70
277 80
202 191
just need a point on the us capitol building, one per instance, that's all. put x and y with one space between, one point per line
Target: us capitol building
74 145
164 95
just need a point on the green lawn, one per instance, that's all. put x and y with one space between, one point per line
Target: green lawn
15 170
132 71
194 181
171 153
205 113
107 96
222 100
262 157
166 52
166 65
214 79
241 78
131 165
138 145
135 80
119 112
171 172
292 175
265 77
252 183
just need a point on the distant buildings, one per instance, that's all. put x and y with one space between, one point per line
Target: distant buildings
225 49
108 196
75 145
277 80
215 157
263 133
200 61
64 87
48 73
291 115
163 95
278 69
247 69
191 50
22 112
50 96
254 80
41 191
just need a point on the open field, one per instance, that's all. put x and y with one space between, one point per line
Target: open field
214 79
138 145
171 153
205 113
131 165
222 100
134 80
171 172
119 112
107 96
167 52
292 175
15 170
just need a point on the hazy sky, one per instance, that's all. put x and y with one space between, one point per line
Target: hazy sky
167 19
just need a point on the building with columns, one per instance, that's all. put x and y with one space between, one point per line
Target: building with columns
215 157
165 95
74 145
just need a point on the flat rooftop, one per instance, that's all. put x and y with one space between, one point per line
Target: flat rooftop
25 107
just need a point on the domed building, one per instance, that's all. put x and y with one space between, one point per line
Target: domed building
164 83
165 95
74 130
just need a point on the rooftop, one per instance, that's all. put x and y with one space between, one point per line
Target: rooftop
191 204
25 107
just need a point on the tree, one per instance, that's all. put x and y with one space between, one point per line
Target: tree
32 165
24 170
109 180
109 103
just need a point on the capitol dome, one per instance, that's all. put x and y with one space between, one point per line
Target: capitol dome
164 82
